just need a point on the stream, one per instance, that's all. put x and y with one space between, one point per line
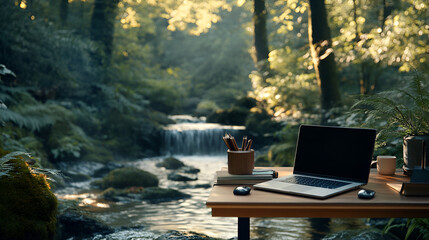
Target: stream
200 147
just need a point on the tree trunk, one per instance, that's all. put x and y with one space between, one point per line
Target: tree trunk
387 10
322 53
103 26
64 10
260 36
357 35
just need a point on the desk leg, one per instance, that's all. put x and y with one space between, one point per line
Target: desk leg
243 228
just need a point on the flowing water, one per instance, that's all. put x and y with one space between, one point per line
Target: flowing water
185 143
190 136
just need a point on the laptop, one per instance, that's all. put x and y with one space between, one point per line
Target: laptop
328 161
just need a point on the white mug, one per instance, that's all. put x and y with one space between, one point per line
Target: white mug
386 165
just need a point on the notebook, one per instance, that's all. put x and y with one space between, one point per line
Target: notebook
328 161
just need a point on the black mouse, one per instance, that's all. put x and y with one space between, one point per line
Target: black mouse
241 190
366 194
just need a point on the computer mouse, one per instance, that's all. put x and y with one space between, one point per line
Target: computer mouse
366 194
242 190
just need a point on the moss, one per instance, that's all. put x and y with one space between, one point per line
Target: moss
109 194
114 195
27 205
128 177
171 163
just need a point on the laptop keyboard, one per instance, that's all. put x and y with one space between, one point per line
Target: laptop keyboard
315 182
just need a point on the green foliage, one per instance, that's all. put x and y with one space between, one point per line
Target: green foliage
420 226
235 115
232 116
29 114
5 167
205 108
27 205
405 110
64 105
283 153
259 123
217 63
35 50
374 48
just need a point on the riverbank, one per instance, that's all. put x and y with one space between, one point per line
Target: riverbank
191 214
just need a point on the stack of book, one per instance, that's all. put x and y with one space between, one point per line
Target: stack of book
258 176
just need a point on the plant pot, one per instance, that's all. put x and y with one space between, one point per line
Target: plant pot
414 149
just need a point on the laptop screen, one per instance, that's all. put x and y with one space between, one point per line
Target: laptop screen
336 152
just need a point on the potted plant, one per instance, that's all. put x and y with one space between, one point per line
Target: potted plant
403 112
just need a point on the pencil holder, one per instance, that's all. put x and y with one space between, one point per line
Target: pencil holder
241 162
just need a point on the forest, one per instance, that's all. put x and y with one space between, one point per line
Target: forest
85 79
96 80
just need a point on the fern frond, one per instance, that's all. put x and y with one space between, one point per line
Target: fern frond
407 107
13 155
5 167
33 123
118 100
5 97
48 172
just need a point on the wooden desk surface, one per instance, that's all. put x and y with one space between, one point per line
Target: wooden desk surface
386 203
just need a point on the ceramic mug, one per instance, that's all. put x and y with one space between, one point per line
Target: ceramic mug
386 165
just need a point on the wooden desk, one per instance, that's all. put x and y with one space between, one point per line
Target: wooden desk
387 203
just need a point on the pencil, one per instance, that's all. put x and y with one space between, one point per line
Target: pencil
249 144
234 144
243 145
226 143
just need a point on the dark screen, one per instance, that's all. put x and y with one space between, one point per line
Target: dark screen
343 153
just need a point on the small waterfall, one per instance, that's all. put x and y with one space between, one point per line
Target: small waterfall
190 136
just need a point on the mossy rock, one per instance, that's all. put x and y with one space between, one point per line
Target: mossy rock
108 167
128 177
115 195
190 170
171 163
150 194
76 223
156 195
27 205
180 177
